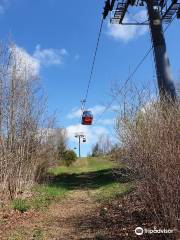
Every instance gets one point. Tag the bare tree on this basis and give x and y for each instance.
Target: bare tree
(103, 146)
(22, 114)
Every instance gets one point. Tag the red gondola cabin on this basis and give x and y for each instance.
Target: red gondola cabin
(87, 118)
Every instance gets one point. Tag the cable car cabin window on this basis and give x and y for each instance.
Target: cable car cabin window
(87, 118)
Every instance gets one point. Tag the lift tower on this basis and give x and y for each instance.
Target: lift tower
(80, 136)
(159, 12)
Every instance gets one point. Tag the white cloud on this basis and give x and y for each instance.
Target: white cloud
(107, 121)
(77, 112)
(126, 33)
(96, 110)
(24, 62)
(49, 56)
(31, 63)
(91, 132)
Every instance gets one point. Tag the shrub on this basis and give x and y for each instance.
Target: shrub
(150, 142)
(69, 157)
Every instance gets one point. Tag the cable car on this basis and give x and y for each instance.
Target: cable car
(87, 118)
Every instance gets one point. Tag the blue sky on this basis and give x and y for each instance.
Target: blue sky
(60, 37)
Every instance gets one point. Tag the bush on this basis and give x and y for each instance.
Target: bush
(150, 142)
(69, 157)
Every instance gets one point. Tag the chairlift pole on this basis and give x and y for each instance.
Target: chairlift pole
(159, 12)
(79, 136)
(79, 146)
(163, 71)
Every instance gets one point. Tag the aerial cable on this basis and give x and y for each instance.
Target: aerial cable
(130, 77)
(108, 7)
(127, 80)
(93, 65)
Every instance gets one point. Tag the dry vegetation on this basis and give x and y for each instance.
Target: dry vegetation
(24, 149)
(149, 135)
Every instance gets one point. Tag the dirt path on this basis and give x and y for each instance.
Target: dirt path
(69, 218)
(72, 218)
(79, 217)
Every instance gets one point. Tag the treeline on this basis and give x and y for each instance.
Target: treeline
(103, 146)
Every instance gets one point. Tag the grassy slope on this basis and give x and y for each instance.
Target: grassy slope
(85, 165)
(91, 174)
(95, 176)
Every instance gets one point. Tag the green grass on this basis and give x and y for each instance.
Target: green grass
(84, 165)
(20, 205)
(43, 195)
(96, 175)
(113, 190)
